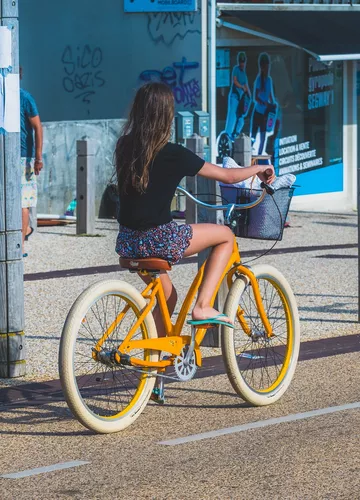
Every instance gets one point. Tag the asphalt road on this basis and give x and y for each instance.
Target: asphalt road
(275, 452)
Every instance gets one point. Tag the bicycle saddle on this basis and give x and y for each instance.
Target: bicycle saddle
(149, 264)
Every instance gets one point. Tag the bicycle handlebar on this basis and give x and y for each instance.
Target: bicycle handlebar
(235, 206)
(230, 207)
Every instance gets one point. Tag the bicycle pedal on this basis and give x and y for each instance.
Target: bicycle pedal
(206, 326)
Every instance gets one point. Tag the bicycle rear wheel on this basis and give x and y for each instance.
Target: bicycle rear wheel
(103, 396)
(260, 368)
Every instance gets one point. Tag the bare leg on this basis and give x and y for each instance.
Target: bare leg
(25, 224)
(170, 296)
(221, 239)
(262, 142)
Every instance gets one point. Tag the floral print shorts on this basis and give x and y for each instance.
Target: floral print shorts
(28, 183)
(167, 241)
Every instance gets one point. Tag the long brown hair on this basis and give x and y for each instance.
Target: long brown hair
(146, 132)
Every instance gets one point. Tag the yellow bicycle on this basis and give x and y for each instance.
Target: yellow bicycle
(110, 353)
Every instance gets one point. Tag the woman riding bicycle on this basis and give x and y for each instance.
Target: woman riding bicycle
(149, 169)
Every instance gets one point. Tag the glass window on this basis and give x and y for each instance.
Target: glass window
(292, 108)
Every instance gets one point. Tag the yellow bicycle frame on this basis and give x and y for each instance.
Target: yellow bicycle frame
(174, 341)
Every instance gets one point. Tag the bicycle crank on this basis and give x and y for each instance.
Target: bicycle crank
(184, 365)
(184, 369)
(108, 358)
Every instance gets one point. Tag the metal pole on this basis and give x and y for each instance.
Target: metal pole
(212, 76)
(196, 145)
(194, 214)
(12, 352)
(358, 241)
(204, 55)
(350, 147)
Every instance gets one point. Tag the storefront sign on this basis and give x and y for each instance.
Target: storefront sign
(160, 5)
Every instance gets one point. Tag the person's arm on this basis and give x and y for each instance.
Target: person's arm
(235, 78)
(237, 83)
(188, 163)
(257, 92)
(247, 88)
(234, 175)
(37, 127)
(257, 98)
(271, 96)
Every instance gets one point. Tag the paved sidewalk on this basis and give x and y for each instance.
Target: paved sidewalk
(318, 256)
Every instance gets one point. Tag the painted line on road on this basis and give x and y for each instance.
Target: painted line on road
(42, 470)
(261, 423)
(37, 393)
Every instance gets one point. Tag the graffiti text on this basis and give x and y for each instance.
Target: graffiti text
(186, 92)
(82, 71)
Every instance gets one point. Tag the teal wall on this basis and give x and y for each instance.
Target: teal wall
(82, 59)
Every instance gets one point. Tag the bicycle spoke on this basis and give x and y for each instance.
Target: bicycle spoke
(107, 390)
(266, 356)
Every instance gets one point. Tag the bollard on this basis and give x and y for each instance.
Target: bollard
(243, 150)
(85, 187)
(195, 214)
(196, 144)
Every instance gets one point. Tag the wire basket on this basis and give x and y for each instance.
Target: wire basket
(267, 219)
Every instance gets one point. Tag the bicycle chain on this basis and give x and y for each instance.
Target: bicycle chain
(150, 374)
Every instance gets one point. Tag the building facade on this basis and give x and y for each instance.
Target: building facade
(296, 67)
(299, 62)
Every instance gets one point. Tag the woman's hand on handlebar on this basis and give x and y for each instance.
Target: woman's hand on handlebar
(266, 173)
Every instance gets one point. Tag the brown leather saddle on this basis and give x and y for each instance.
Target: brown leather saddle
(150, 264)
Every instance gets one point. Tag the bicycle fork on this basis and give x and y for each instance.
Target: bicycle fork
(245, 271)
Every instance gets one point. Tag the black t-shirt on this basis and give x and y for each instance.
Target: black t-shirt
(152, 208)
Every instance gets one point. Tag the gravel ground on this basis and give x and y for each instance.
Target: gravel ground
(319, 259)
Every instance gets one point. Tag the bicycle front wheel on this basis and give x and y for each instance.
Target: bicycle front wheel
(104, 396)
(260, 368)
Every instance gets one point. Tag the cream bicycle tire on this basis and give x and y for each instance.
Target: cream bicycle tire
(233, 356)
(103, 290)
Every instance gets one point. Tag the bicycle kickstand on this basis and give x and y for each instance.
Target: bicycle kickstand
(162, 384)
(161, 389)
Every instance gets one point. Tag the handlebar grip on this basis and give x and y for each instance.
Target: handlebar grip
(269, 189)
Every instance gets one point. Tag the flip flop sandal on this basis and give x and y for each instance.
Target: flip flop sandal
(210, 321)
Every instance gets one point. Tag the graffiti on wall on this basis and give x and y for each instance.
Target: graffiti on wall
(83, 73)
(166, 27)
(186, 92)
